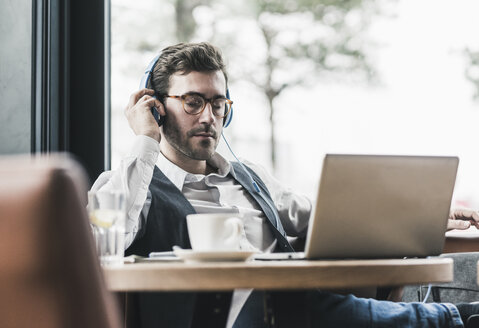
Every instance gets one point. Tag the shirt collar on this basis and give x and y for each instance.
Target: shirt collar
(178, 176)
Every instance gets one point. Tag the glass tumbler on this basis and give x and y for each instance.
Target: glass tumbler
(106, 210)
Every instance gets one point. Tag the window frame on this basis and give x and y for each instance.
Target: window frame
(71, 81)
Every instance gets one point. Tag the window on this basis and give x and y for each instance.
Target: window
(15, 81)
(419, 101)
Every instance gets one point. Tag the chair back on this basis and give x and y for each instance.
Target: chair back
(49, 272)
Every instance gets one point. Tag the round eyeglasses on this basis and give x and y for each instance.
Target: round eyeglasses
(195, 104)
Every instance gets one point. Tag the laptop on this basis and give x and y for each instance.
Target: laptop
(379, 206)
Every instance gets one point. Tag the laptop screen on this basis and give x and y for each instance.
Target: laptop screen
(377, 206)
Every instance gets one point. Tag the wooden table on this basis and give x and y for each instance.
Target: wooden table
(178, 276)
(282, 279)
(458, 241)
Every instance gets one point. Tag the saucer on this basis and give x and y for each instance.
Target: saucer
(212, 256)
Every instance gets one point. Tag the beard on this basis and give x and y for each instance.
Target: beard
(185, 143)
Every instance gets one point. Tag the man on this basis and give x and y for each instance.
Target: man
(174, 170)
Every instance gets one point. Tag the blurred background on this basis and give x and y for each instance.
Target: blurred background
(314, 77)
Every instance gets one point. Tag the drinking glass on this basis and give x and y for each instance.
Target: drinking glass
(107, 217)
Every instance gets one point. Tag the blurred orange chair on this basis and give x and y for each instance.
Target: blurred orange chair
(49, 273)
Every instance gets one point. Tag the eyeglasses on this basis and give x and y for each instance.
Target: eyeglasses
(195, 104)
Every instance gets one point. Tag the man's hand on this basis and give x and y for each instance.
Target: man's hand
(462, 219)
(138, 113)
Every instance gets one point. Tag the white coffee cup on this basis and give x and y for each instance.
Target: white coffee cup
(215, 232)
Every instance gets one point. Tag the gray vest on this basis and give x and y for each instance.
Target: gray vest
(166, 222)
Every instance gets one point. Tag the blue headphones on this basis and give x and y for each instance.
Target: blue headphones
(160, 119)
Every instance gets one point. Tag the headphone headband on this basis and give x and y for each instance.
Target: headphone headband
(148, 71)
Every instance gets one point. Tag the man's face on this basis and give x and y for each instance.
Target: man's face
(194, 136)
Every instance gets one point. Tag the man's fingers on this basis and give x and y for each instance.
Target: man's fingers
(458, 224)
(135, 96)
(139, 116)
(144, 98)
(460, 215)
(465, 214)
(145, 101)
(151, 102)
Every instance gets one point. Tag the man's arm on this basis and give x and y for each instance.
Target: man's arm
(136, 170)
(133, 177)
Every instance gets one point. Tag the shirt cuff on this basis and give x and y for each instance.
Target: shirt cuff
(146, 149)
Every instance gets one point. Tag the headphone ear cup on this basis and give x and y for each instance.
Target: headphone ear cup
(228, 118)
(146, 83)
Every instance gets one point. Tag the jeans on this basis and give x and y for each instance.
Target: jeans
(329, 310)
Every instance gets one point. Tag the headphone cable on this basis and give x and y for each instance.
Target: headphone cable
(255, 186)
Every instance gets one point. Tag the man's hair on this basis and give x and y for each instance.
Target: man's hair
(185, 58)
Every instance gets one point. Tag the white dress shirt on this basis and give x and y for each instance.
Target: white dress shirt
(214, 193)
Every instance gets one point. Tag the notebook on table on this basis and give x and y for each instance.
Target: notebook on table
(379, 206)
